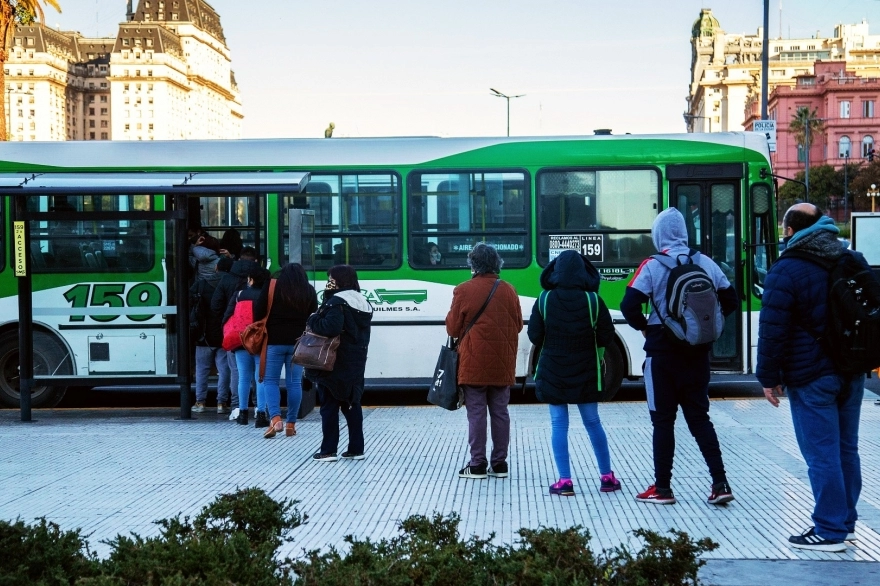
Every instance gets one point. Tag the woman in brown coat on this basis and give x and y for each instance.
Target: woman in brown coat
(487, 357)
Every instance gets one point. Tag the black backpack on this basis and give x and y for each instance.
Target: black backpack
(196, 315)
(693, 313)
(852, 326)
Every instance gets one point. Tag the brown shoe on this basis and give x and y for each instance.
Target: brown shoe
(275, 427)
(290, 429)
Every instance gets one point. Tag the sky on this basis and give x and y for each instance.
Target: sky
(424, 68)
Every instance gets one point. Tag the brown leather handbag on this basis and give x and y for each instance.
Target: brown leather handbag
(255, 338)
(314, 351)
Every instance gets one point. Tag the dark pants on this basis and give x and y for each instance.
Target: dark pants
(670, 382)
(354, 417)
(477, 400)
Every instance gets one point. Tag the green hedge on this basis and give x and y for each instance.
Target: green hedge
(235, 541)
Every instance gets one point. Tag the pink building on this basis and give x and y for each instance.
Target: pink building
(844, 102)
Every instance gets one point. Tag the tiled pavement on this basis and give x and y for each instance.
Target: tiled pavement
(111, 472)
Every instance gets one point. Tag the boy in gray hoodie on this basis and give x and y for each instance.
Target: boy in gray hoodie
(676, 373)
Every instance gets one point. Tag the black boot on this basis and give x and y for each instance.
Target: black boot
(262, 419)
(242, 418)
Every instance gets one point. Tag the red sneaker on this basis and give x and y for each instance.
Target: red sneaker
(658, 496)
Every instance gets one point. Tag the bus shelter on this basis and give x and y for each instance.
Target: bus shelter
(102, 275)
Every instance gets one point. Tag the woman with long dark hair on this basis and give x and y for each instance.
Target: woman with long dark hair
(294, 301)
(346, 313)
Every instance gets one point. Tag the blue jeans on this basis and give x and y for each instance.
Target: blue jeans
(233, 378)
(249, 370)
(825, 414)
(559, 437)
(278, 355)
(206, 357)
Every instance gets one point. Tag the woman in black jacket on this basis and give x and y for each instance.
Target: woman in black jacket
(571, 326)
(344, 312)
(293, 302)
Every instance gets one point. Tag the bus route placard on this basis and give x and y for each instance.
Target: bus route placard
(20, 249)
(589, 245)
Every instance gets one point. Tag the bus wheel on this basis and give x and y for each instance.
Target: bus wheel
(612, 371)
(49, 357)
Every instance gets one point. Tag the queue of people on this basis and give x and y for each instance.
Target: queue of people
(570, 327)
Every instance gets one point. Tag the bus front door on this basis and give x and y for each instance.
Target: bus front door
(712, 211)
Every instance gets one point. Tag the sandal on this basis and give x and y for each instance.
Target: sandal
(290, 429)
(275, 427)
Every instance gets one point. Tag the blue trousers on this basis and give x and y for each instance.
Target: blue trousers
(278, 356)
(826, 414)
(559, 437)
(206, 357)
(249, 370)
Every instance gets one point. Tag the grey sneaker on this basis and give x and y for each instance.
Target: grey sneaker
(222, 408)
(198, 408)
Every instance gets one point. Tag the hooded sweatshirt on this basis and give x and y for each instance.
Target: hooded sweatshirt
(568, 364)
(648, 284)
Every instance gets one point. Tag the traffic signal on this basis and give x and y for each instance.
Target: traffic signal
(871, 155)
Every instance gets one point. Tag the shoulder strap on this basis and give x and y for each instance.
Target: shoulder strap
(271, 296)
(593, 304)
(542, 303)
(479, 313)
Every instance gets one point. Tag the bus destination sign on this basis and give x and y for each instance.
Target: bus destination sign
(20, 249)
(589, 245)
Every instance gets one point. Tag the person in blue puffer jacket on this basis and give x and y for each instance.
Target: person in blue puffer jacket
(825, 404)
(569, 364)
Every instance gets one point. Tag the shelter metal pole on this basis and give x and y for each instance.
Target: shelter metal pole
(25, 319)
(184, 378)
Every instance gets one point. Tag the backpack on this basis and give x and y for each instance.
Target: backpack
(693, 313)
(196, 316)
(852, 326)
(242, 317)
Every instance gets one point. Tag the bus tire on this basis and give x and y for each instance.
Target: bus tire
(49, 356)
(612, 371)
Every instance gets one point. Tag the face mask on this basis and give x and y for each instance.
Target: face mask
(330, 286)
(435, 256)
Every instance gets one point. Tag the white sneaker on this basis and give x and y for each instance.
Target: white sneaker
(234, 415)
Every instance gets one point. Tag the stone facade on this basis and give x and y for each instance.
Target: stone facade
(724, 93)
(165, 76)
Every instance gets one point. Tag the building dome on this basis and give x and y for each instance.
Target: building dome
(706, 25)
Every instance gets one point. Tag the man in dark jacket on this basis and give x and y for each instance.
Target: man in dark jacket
(676, 373)
(825, 404)
(233, 281)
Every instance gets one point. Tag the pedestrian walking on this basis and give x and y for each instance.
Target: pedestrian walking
(570, 327)
(676, 373)
(346, 313)
(487, 357)
(295, 300)
(825, 402)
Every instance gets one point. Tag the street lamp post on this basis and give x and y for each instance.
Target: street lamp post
(689, 120)
(873, 193)
(508, 98)
(845, 182)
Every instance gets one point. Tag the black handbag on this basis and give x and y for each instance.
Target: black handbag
(444, 391)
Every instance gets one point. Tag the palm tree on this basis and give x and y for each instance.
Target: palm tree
(805, 126)
(12, 12)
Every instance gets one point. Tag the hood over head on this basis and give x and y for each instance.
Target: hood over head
(355, 300)
(669, 231)
(571, 270)
(241, 268)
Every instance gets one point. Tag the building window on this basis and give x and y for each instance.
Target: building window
(125, 42)
(103, 111)
(91, 111)
(91, 136)
(150, 126)
(91, 123)
(103, 136)
(103, 99)
(867, 145)
(844, 108)
(844, 146)
(103, 124)
(149, 73)
(868, 109)
(127, 127)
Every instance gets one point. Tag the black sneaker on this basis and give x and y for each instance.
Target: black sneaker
(262, 419)
(498, 470)
(242, 418)
(319, 457)
(721, 494)
(810, 540)
(353, 456)
(473, 472)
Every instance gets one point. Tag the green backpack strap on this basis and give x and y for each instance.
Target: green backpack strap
(593, 303)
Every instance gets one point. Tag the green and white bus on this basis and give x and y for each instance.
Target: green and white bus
(382, 205)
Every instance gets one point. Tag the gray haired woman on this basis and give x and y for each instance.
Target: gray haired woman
(487, 357)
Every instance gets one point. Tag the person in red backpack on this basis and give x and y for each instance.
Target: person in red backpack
(249, 366)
